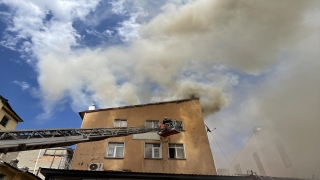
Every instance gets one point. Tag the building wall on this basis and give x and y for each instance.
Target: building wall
(47, 159)
(12, 124)
(277, 159)
(199, 159)
(13, 174)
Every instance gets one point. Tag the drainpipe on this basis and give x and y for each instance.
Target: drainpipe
(34, 169)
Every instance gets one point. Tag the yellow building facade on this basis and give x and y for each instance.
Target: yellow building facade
(8, 117)
(9, 172)
(187, 152)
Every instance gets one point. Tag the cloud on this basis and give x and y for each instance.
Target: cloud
(106, 33)
(129, 29)
(247, 56)
(33, 34)
(176, 51)
(24, 85)
(118, 7)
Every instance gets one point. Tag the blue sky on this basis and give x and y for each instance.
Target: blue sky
(58, 57)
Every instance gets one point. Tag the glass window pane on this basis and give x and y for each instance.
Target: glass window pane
(172, 145)
(156, 152)
(148, 151)
(148, 124)
(156, 145)
(119, 152)
(116, 123)
(112, 144)
(110, 152)
(152, 123)
(120, 144)
(123, 123)
(179, 145)
(180, 153)
(148, 145)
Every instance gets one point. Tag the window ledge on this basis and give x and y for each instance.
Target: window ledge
(153, 158)
(177, 158)
(113, 157)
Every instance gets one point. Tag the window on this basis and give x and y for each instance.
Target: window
(259, 164)
(120, 123)
(283, 153)
(152, 123)
(176, 151)
(4, 121)
(152, 150)
(115, 150)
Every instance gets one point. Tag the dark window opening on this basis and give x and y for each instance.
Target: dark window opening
(172, 152)
(4, 121)
(176, 151)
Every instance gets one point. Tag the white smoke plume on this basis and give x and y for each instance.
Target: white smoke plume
(183, 48)
(173, 55)
(287, 101)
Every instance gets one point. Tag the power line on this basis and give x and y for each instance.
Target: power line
(220, 148)
(208, 130)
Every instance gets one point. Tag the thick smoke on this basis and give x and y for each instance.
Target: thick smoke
(286, 102)
(175, 55)
(195, 48)
(292, 108)
(171, 56)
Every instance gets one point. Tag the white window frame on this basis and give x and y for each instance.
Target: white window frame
(115, 150)
(153, 122)
(184, 152)
(117, 120)
(160, 150)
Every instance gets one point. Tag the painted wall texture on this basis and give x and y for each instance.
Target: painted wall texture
(9, 173)
(12, 123)
(198, 157)
(43, 158)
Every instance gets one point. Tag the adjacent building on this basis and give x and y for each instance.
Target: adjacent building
(185, 153)
(269, 153)
(11, 172)
(9, 119)
(33, 160)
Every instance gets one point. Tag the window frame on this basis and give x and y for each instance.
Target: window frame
(183, 147)
(7, 119)
(149, 120)
(114, 122)
(160, 152)
(114, 153)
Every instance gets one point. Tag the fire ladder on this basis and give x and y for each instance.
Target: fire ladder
(23, 140)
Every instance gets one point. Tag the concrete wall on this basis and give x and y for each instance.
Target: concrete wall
(199, 159)
(12, 124)
(30, 159)
(13, 174)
